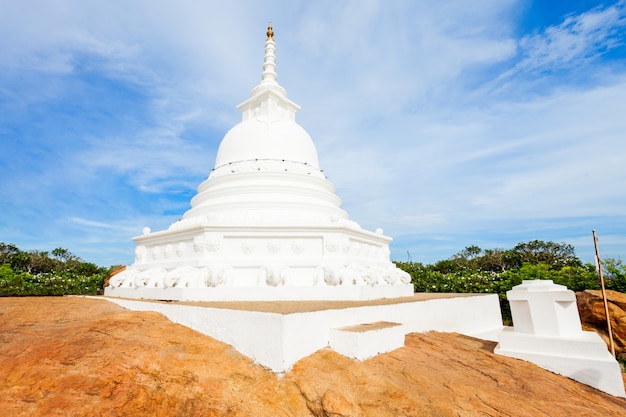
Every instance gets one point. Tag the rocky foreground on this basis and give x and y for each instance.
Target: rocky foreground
(73, 356)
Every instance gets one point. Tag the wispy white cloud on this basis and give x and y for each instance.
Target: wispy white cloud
(91, 223)
(570, 46)
(578, 39)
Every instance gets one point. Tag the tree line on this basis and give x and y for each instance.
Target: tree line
(57, 272)
(477, 270)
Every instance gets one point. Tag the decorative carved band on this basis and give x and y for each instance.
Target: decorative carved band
(267, 165)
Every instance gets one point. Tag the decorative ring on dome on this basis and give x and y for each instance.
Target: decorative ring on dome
(267, 165)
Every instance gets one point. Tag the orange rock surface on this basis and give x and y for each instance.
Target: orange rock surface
(593, 316)
(72, 356)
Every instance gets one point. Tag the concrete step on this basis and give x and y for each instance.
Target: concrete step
(366, 340)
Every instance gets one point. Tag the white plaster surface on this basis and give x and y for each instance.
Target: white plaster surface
(548, 333)
(584, 358)
(541, 307)
(265, 293)
(355, 342)
(278, 341)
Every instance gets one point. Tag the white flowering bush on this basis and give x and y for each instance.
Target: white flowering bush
(19, 283)
(58, 272)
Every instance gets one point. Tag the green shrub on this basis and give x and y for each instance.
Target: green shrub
(37, 273)
(614, 274)
(454, 276)
(65, 283)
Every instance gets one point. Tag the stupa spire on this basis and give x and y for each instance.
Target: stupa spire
(270, 32)
(269, 62)
(269, 77)
(268, 100)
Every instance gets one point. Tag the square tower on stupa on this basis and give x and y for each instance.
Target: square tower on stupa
(265, 225)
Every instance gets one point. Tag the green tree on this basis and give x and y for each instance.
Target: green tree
(497, 260)
(555, 255)
(447, 266)
(41, 263)
(22, 261)
(64, 255)
(468, 253)
(6, 272)
(578, 278)
(614, 273)
(7, 251)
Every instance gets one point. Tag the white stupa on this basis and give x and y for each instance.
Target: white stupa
(265, 225)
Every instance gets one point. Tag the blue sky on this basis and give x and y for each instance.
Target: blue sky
(446, 123)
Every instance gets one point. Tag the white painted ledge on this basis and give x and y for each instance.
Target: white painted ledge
(277, 341)
(367, 340)
(265, 293)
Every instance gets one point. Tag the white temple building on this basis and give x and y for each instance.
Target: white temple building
(265, 225)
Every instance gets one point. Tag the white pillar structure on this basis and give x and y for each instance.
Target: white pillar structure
(547, 332)
(265, 225)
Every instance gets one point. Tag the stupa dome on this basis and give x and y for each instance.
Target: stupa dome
(259, 138)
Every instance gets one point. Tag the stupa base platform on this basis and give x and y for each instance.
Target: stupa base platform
(292, 293)
(276, 334)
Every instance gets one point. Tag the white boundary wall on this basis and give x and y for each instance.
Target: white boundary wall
(277, 341)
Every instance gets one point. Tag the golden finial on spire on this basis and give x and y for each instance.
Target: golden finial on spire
(270, 32)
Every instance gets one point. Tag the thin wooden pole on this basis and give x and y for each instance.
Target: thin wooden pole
(606, 305)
